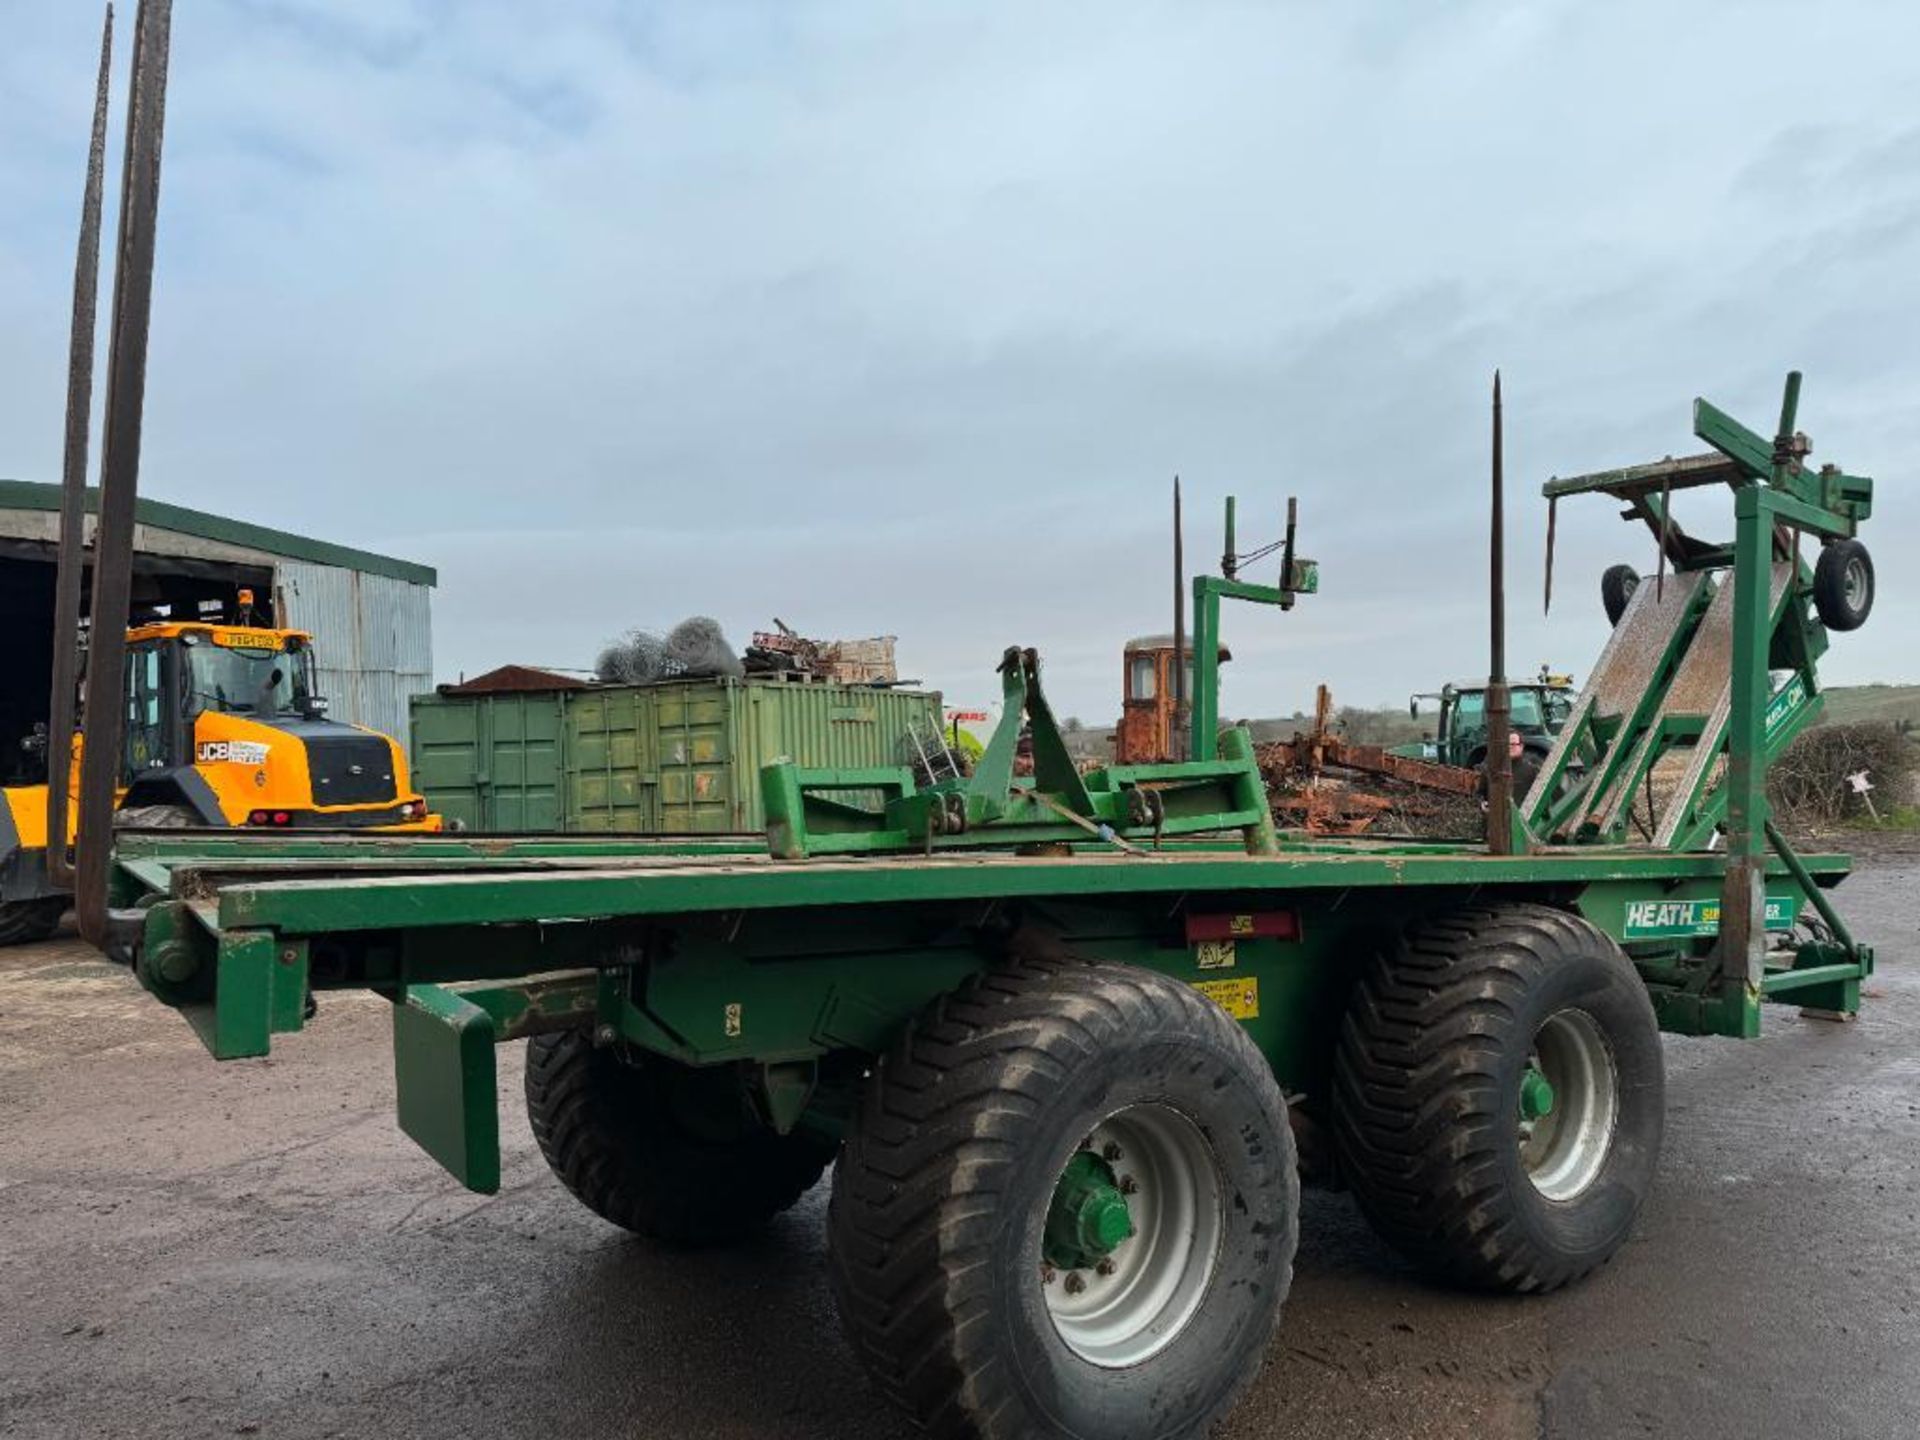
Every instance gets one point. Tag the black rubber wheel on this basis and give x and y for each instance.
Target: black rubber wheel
(27, 922)
(1030, 1086)
(1843, 585)
(1438, 1112)
(1617, 584)
(665, 1151)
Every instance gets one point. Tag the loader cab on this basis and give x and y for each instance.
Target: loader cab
(178, 673)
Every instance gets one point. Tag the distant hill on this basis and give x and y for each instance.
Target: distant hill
(1846, 705)
(1849, 704)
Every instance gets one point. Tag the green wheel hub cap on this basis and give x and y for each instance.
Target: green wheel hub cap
(1088, 1217)
(1536, 1095)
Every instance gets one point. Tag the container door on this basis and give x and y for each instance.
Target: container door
(611, 780)
(445, 745)
(525, 743)
(697, 748)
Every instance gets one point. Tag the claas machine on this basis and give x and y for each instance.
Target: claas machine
(1068, 1042)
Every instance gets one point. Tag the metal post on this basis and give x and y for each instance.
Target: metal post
(1228, 564)
(1743, 903)
(1286, 553)
(1499, 705)
(1176, 732)
(1206, 670)
(120, 463)
(71, 550)
(1546, 597)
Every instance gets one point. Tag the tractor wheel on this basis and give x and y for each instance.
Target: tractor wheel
(27, 922)
(664, 1150)
(1499, 1095)
(1067, 1207)
(1617, 584)
(1843, 585)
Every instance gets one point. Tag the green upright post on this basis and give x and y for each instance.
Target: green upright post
(1743, 929)
(1743, 904)
(1206, 670)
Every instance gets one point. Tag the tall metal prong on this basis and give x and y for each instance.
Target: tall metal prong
(1499, 717)
(71, 550)
(101, 757)
(1553, 511)
(1177, 728)
(1286, 553)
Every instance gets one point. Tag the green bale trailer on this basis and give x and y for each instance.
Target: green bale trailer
(1069, 1043)
(1068, 1040)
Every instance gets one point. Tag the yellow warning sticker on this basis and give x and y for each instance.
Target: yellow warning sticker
(1240, 998)
(1214, 954)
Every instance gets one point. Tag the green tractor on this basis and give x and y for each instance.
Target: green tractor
(1540, 709)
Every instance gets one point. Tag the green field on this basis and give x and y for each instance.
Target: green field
(1846, 705)
(1850, 704)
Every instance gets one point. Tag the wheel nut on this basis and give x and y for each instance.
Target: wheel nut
(1046, 1274)
(1128, 1185)
(1075, 1282)
(1105, 1267)
(1110, 1152)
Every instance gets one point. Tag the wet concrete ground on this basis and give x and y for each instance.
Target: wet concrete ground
(198, 1250)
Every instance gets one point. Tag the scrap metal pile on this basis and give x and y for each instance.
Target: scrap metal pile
(1324, 784)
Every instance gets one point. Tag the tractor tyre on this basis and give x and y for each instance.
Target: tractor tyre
(665, 1150)
(27, 922)
(1843, 585)
(1067, 1207)
(1499, 1095)
(1617, 584)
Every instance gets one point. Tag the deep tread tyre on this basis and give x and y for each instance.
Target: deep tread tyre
(1437, 1043)
(27, 922)
(1843, 585)
(943, 1186)
(1617, 584)
(610, 1129)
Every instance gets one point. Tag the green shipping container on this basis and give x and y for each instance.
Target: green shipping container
(677, 758)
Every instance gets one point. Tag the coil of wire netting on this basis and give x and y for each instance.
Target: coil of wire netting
(697, 647)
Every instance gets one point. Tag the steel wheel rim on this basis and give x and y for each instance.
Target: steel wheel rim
(1564, 1150)
(1150, 1288)
(1855, 583)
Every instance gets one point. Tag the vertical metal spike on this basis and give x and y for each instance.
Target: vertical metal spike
(71, 552)
(1499, 706)
(1177, 729)
(1286, 553)
(1553, 512)
(1666, 538)
(120, 462)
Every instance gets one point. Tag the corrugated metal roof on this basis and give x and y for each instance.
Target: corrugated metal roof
(36, 495)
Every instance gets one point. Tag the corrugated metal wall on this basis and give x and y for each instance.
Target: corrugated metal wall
(373, 635)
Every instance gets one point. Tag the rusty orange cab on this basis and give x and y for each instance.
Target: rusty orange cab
(1147, 720)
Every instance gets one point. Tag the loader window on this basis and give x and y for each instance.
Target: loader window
(246, 682)
(146, 711)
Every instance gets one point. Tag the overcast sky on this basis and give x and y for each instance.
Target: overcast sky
(900, 318)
